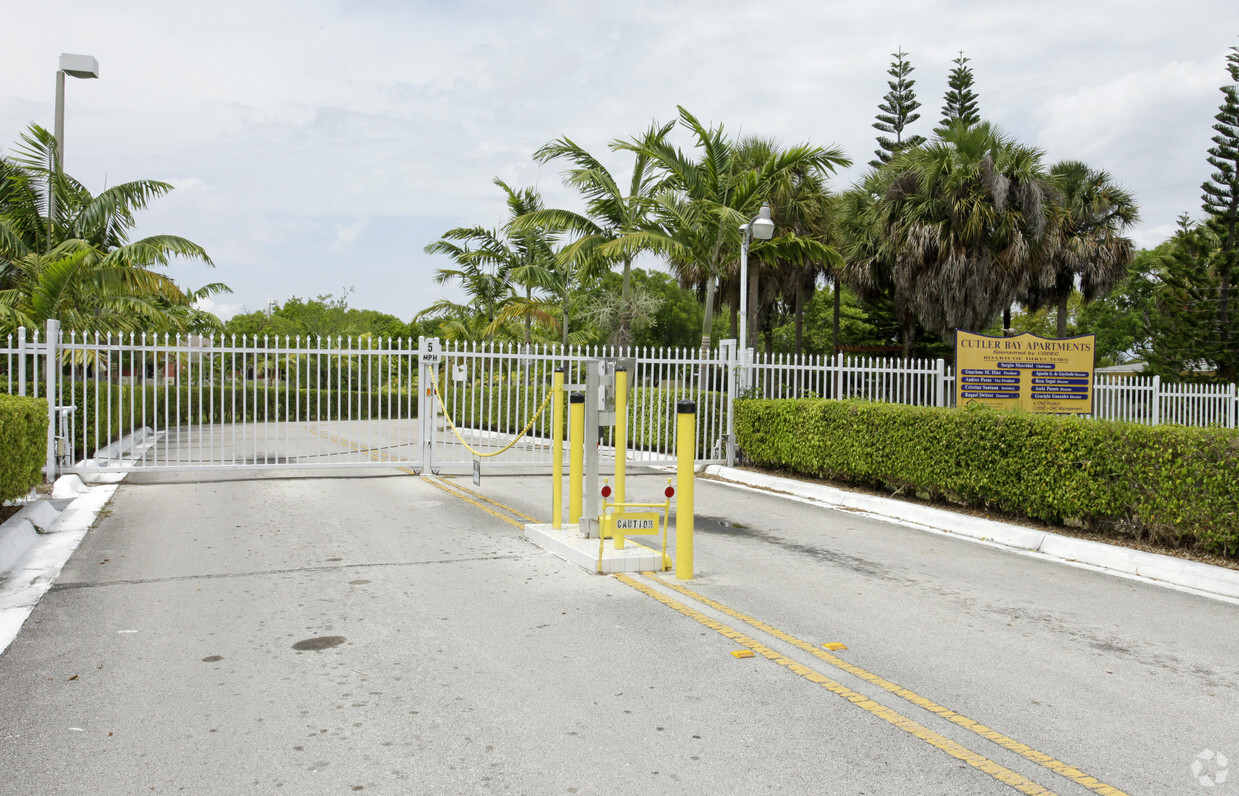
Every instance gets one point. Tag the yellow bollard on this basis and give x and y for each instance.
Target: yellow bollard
(686, 457)
(557, 449)
(621, 433)
(576, 455)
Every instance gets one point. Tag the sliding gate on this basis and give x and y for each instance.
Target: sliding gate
(194, 403)
(492, 404)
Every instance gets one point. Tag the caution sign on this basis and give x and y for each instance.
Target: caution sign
(634, 522)
(1036, 374)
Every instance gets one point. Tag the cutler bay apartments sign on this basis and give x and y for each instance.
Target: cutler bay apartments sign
(1027, 372)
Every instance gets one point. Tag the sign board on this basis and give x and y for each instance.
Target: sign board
(636, 521)
(477, 472)
(432, 351)
(1036, 374)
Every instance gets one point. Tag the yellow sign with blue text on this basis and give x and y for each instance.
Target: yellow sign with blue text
(1036, 374)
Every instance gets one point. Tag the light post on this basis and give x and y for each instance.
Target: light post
(80, 66)
(762, 228)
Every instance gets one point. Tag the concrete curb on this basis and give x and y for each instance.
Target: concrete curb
(1191, 576)
(41, 553)
(36, 542)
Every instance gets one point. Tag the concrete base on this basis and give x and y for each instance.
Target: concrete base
(569, 544)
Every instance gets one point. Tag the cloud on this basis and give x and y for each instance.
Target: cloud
(324, 143)
(347, 235)
(222, 310)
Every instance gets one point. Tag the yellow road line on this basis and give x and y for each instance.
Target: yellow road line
(461, 492)
(954, 749)
(493, 502)
(1040, 758)
(451, 490)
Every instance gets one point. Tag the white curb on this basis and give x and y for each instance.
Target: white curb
(1192, 576)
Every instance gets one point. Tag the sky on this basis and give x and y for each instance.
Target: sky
(318, 147)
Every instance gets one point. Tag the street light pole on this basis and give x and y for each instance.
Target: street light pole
(762, 228)
(79, 66)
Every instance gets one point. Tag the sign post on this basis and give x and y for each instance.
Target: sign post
(1035, 374)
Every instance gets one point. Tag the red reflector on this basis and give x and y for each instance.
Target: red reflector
(669, 491)
(606, 491)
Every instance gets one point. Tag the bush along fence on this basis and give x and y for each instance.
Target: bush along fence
(23, 443)
(1170, 484)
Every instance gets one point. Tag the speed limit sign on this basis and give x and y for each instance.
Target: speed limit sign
(432, 351)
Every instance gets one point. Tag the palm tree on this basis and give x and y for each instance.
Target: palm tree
(79, 266)
(483, 277)
(960, 226)
(1087, 241)
(491, 262)
(610, 214)
(706, 200)
(801, 250)
(870, 262)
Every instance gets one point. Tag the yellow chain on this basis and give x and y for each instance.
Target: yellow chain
(477, 453)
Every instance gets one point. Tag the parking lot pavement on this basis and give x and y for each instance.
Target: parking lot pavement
(396, 634)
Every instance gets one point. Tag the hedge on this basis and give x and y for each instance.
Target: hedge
(23, 444)
(1172, 484)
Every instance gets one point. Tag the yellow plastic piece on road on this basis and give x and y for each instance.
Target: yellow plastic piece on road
(834, 646)
(742, 653)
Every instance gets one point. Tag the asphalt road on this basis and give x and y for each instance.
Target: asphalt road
(395, 635)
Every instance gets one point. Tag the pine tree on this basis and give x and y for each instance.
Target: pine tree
(960, 103)
(1221, 205)
(897, 111)
(1182, 317)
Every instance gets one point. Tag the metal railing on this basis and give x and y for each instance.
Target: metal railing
(200, 403)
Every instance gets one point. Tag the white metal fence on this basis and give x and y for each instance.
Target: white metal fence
(929, 382)
(196, 403)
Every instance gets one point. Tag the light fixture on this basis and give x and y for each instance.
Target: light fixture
(761, 227)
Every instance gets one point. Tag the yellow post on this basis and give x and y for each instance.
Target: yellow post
(621, 433)
(557, 449)
(576, 455)
(686, 457)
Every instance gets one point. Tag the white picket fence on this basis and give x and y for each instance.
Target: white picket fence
(301, 403)
(930, 382)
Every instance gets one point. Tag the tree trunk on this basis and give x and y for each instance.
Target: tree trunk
(835, 325)
(909, 335)
(707, 317)
(528, 317)
(799, 304)
(1062, 317)
(622, 335)
(1006, 321)
(734, 303)
(1226, 362)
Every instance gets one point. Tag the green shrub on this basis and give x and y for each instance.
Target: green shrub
(1172, 484)
(23, 444)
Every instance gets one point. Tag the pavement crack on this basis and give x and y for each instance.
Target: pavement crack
(265, 572)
